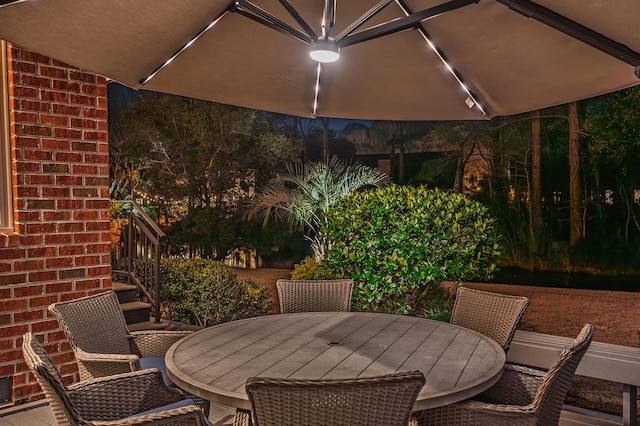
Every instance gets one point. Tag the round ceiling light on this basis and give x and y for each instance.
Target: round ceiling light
(325, 50)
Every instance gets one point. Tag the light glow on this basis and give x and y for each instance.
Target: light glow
(325, 51)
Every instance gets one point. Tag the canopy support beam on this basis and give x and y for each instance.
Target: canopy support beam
(575, 30)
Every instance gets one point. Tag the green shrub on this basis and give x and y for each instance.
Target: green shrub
(398, 242)
(311, 269)
(207, 292)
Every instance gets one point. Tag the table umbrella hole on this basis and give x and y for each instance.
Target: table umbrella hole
(334, 343)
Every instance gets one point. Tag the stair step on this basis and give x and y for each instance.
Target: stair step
(126, 293)
(135, 312)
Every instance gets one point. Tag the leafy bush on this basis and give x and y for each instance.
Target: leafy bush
(311, 269)
(398, 242)
(207, 292)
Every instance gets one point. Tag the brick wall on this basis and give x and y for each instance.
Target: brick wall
(61, 246)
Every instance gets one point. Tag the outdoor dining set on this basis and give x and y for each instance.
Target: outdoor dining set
(315, 363)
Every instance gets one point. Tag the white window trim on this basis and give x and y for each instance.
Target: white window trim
(6, 193)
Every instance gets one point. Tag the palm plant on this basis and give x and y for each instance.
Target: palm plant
(302, 196)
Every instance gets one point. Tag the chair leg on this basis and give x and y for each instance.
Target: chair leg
(242, 418)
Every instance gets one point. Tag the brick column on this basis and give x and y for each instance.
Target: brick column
(60, 249)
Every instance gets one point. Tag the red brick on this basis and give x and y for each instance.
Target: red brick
(26, 117)
(97, 158)
(59, 262)
(69, 204)
(41, 228)
(24, 92)
(73, 273)
(24, 167)
(72, 296)
(81, 99)
(17, 253)
(56, 216)
(97, 204)
(71, 227)
(97, 271)
(39, 180)
(30, 240)
(30, 56)
(82, 76)
(94, 112)
(8, 356)
(46, 251)
(57, 239)
(38, 204)
(56, 168)
(26, 67)
(27, 191)
(56, 144)
(45, 325)
(28, 265)
(37, 130)
(38, 155)
(85, 192)
(71, 250)
(69, 157)
(85, 215)
(84, 123)
(42, 276)
(61, 287)
(84, 146)
(55, 192)
(36, 302)
(33, 81)
(96, 136)
(67, 86)
(55, 336)
(65, 109)
(31, 105)
(25, 316)
(54, 95)
(86, 260)
(67, 133)
(13, 331)
(54, 72)
(54, 120)
(86, 238)
(95, 90)
(31, 290)
(26, 142)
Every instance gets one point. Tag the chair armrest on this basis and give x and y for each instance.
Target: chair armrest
(92, 365)
(126, 394)
(517, 386)
(475, 412)
(190, 415)
(154, 342)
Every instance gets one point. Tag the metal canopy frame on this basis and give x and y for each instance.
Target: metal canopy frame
(411, 21)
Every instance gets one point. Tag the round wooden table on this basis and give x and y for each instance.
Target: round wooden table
(215, 362)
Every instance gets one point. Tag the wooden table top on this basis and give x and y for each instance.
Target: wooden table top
(214, 363)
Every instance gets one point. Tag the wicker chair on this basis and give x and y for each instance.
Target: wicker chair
(492, 314)
(103, 345)
(314, 295)
(522, 396)
(134, 398)
(382, 400)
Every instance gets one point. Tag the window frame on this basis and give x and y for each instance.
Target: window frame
(6, 192)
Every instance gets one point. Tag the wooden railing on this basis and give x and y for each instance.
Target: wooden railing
(137, 255)
(620, 364)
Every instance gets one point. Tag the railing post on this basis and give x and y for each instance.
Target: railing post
(129, 247)
(156, 280)
(629, 405)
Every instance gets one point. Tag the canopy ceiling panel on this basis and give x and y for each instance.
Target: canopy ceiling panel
(491, 57)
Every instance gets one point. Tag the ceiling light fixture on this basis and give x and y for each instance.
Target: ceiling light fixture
(324, 50)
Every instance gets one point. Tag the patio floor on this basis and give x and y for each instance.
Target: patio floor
(39, 414)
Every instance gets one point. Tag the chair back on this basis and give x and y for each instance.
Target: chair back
(50, 381)
(94, 324)
(372, 401)
(547, 403)
(314, 295)
(491, 314)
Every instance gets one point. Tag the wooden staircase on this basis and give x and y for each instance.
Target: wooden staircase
(137, 314)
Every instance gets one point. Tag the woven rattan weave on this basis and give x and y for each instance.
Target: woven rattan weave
(523, 396)
(382, 400)
(492, 314)
(314, 296)
(108, 400)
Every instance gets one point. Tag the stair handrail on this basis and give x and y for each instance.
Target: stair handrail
(140, 233)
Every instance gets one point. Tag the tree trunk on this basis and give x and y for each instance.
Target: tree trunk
(536, 183)
(575, 194)
(401, 164)
(325, 139)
